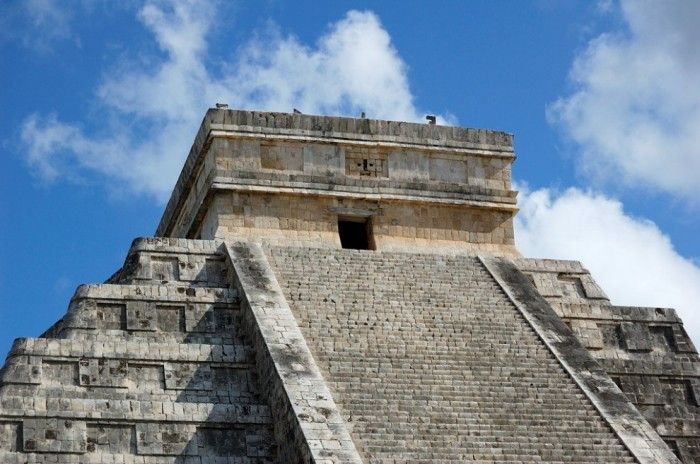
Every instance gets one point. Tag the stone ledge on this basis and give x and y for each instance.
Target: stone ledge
(13, 407)
(132, 350)
(156, 293)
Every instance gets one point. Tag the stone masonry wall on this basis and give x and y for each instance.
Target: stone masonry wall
(451, 193)
(645, 351)
(397, 226)
(153, 368)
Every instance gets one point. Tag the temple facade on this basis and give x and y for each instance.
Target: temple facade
(340, 290)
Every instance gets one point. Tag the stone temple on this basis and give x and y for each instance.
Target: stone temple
(339, 290)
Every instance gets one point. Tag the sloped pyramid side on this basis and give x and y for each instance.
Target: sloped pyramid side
(153, 367)
(431, 361)
(646, 351)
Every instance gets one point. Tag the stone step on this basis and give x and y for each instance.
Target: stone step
(431, 362)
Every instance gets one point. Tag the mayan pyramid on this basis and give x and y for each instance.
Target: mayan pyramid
(339, 290)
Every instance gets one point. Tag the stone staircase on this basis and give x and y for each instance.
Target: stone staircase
(646, 351)
(430, 362)
(150, 368)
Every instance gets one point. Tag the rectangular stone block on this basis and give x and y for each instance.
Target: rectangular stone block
(281, 157)
(22, 370)
(199, 317)
(448, 170)
(111, 439)
(52, 435)
(103, 372)
(164, 269)
(547, 284)
(191, 268)
(230, 442)
(141, 315)
(59, 373)
(10, 436)
(591, 288)
(146, 378)
(110, 316)
(636, 336)
(170, 318)
(588, 334)
(187, 376)
(166, 439)
(216, 272)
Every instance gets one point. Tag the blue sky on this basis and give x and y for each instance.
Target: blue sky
(100, 101)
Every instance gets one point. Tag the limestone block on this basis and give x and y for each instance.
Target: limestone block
(222, 442)
(166, 439)
(547, 284)
(187, 376)
(109, 316)
(103, 372)
(81, 314)
(22, 370)
(448, 170)
(54, 435)
(199, 317)
(170, 317)
(141, 315)
(409, 166)
(588, 334)
(148, 378)
(259, 444)
(216, 273)
(636, 336)
(60, 373)
(10, 436)
(281, 156)
(591, 288)
(163, 268)
(111, 439)
(191, 268)
(324, 160)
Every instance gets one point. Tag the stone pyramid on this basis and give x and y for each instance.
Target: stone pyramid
(338, 290)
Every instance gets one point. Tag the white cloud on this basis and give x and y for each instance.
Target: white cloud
(152, 114)
(36, 24)
(634, 113)
(629, 257)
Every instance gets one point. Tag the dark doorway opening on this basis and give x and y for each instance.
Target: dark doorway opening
(356, 234)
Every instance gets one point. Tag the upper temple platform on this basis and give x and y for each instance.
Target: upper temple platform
(297, 177)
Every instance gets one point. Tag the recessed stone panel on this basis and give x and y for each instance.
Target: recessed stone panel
(111, 439)
(141, 315)
(10, 436)
(54, 435)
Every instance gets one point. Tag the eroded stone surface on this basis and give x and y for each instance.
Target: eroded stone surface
(211, 352)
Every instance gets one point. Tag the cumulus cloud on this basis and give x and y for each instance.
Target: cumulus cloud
(630, 257)
(153, 113)
(634, 112)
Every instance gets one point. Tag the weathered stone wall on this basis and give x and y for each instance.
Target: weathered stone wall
(441, 187)
(152, 368)
(397, 226)
(645, 351)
